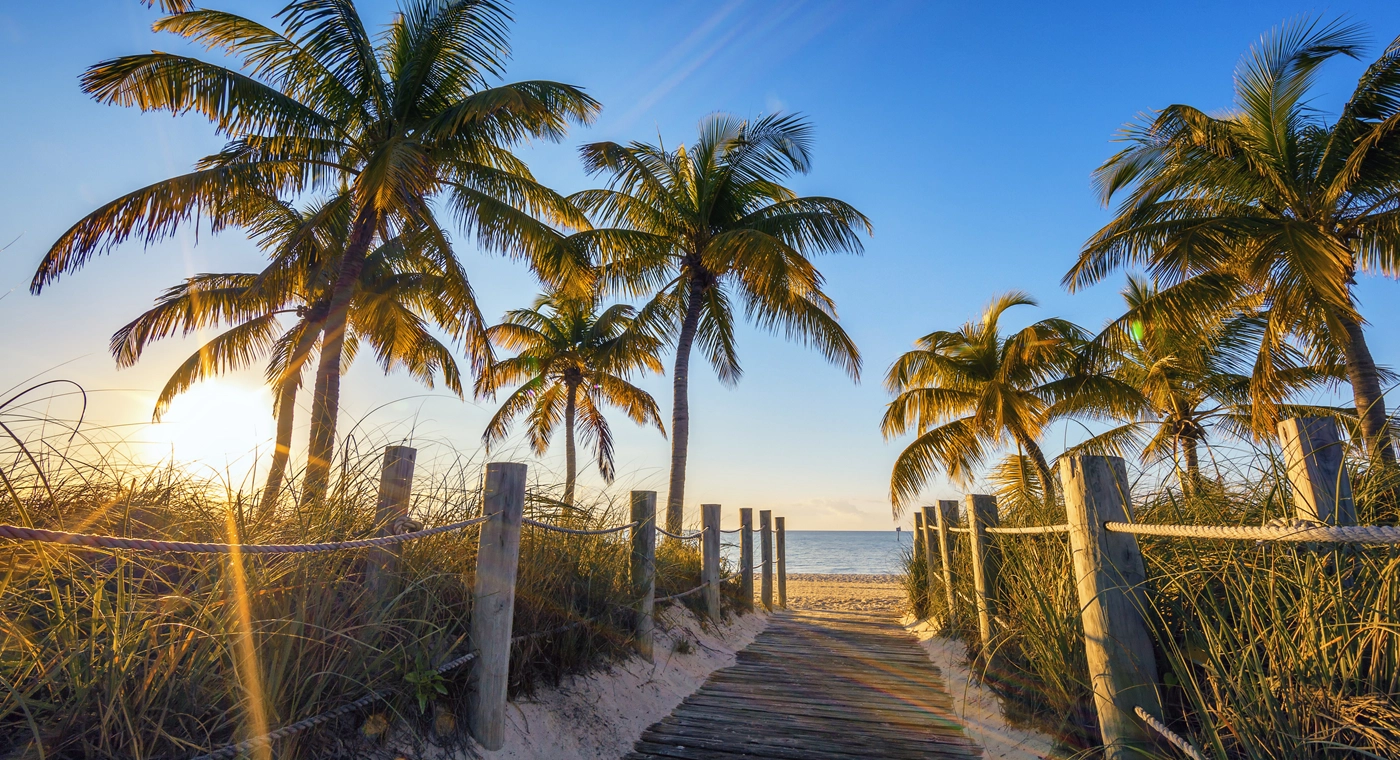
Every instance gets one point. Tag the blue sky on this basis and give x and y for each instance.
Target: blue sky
(966, 132)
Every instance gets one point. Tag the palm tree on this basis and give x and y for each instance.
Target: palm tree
(571, 362)
(697, 227)
(969, 391)
(404, 122)
(1177, 386)
(405, 285)
(1272, 202)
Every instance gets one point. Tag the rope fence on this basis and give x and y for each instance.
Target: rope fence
(1105, 555)
(502, 503)
(1294, 533)
(20, 533)
(1030, 530)
(680, 536)
(579, 531)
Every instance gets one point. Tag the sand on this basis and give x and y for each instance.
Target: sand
(857, 593)
(602, 715)
(974, 705)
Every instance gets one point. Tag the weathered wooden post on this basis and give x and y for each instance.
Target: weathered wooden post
(390, 515)
(780, 534)
(644, 570)
(709, 574)
(746, 557)
(930, 550)
(1314, 453)
(765, 532)
(982, 514)
(918, 548)
(947, 517)
(493, 600)
(1109, 575)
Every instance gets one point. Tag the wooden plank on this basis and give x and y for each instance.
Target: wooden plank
(817, 686)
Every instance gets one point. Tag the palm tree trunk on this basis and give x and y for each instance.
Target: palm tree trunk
(325, 407)
(286, 415)
(286, 411)
(1366, 390)
(1047, 478)
(1190, 451)
(570, 455)
(680, 412)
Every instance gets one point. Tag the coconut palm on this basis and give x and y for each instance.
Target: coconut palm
(970, 391)
(1274, 203)
(1189, 383)
(405, 286)
(571, 363)
(697, 227)
(404, 121)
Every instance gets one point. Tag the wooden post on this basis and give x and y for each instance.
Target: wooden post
(765, 531)
(1314, 454)
(746, 557)
(947, 517)
(780, 534)
(644, 570)
(982, 514)
(709, 575)
(493, 600)
(395, 486)
(918, 547)
(930, 550)
(1109, 575)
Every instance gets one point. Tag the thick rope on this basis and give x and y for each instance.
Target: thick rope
(959, 530)
(1031, 530)
(577, 531)
(673, 597)
(234, 750)
(1297, 531)
(1177, 740)
(679, 537)
(18, 533)
(736, 530)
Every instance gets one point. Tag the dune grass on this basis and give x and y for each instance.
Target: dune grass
(155, 655)
(1264, 651)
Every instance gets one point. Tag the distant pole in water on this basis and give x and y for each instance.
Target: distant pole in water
(897, 529)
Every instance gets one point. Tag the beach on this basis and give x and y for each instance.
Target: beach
(842, 591)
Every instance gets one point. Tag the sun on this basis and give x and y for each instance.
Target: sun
(217, 424)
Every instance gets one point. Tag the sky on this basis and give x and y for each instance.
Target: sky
(967, 132)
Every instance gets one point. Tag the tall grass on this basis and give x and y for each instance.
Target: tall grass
(152, 655)
(1264, 651)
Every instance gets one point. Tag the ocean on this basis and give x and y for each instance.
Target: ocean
(858, 552)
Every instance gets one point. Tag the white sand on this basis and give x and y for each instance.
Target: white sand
(601, 715)
(974, 705)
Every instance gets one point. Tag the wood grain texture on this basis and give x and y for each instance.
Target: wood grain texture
(817, 685)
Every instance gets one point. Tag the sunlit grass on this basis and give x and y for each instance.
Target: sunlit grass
(1264, 651)
(152, 655)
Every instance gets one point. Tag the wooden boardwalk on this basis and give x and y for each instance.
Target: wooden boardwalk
(816, 686)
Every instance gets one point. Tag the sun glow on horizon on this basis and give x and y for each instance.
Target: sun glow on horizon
(217, 424)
